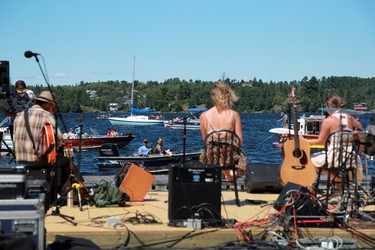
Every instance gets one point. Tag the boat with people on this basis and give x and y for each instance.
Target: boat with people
(103, 116)
(360, 107)
(190, 122)
(110, 159)
(309, 128)
(95, 141)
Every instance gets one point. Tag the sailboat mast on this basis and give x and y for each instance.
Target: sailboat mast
(132, 94)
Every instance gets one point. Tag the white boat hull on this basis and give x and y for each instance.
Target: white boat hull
(135, 120)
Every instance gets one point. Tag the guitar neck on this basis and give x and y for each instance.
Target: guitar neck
(295, 127)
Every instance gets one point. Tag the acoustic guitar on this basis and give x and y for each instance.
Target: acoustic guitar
(296, 166)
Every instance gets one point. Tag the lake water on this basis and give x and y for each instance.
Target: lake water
(258, 142)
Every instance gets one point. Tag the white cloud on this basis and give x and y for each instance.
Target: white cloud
(60, 75)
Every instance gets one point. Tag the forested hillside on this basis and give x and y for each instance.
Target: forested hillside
(175, 95)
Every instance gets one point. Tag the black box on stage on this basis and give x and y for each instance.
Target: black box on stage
(4, 79)
(24, 216)
(263, 178)
(302, 199)
(12, 182)
(284, 195)
(194, 192)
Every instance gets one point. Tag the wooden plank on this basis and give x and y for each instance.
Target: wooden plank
(92, 223)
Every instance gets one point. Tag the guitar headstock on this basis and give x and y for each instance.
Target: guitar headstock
(292, 96)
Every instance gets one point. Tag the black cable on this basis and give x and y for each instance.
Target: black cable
(140, 218)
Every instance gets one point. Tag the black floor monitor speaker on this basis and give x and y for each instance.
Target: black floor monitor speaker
(303, 209)
(194, 193)
(263, 178)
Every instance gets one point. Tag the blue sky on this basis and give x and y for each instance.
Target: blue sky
(92, 40)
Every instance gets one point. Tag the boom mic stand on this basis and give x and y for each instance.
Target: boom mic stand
(184, 142)
(55, 207)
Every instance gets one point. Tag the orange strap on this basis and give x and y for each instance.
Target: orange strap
(49, 138)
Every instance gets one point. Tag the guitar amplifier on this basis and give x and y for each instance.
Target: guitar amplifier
(135, 181)
(24, 216)
(194, 193)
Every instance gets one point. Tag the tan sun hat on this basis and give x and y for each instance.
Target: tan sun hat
(46, 96)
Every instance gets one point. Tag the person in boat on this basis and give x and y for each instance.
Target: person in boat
(109, 132)
(114, 132)
(31, 147)
(332, 123)
(371, 127)
(159, 148)
(221, 117)
(285, 119)
(77, 130)
(17, 102)
(144, 150)
(70, 135)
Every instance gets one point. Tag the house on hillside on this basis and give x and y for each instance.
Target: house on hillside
(113, 106)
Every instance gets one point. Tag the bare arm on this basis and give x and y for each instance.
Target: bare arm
(324, 133)
(203, 122)
(238, 126)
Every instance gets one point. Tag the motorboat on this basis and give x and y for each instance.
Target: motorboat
(110, 159)
(308, 126)
(190, 122)
(360, 107)
(95, 141)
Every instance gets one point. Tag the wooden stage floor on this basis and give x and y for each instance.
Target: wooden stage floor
(92, 223)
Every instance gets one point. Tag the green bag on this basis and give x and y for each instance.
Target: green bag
(107, 194)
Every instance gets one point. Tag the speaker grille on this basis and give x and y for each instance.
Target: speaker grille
(194, 192)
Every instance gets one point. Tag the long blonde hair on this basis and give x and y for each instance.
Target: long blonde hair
(223, 96)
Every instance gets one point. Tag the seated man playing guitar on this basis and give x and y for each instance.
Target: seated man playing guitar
(34, 141)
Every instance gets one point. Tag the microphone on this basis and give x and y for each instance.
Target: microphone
(29, 54)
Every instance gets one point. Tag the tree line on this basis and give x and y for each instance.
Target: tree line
(175, 95)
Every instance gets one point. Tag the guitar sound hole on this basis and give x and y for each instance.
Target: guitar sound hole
(297, 153)
(301, 155)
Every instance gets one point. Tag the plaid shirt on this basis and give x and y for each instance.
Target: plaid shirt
(23, 145)
(16, 104)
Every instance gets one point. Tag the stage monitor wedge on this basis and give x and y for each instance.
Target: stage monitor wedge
(263, 178)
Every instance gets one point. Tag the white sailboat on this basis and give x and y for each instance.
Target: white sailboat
(138, 117)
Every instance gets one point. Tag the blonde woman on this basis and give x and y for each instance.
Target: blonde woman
(221, 117)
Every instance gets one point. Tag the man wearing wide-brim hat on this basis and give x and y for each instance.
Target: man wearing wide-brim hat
(18, 101)
(30, 144)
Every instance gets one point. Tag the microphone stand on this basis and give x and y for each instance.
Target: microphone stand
(55, 207)
(184, 142)
(80, 120)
